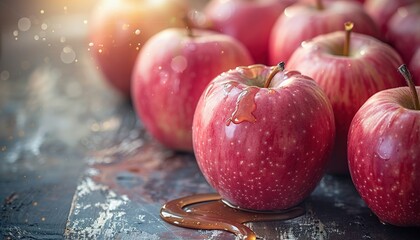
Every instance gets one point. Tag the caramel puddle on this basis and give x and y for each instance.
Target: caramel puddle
(209, 212)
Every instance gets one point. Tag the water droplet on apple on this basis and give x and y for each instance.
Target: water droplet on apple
(44, 26)
(385, 148)
(137, 32)
(91, 44)
(209, 89)
(230, 130)
(42, 11)
(227, 87)
(15, 33)
(62, 39)
(179, 64)
(36, 37)
(304, 44)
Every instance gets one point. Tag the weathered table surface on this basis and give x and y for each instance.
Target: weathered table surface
(75, 161)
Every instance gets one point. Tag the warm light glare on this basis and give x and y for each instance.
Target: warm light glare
(113, 3)
(157, 2)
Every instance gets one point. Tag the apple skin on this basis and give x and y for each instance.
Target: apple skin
(170, 74)
(382, 10)
(347, 81)
(118, 30)
(263, 148)
(404, 30)
(237, 17)
(301, 22)
(384, 155)
(415, 67)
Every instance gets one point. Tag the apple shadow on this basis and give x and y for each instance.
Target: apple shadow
(337, 207)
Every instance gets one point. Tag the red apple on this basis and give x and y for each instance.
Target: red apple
(404, 30)
(382, 10)
(301, 22)
(384, 155)
(248, 21)
(263, 145)
(415, 67)
(348, 80)
(171, 71)
(118, 30)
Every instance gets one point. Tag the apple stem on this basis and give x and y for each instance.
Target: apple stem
(348, 26)
(278, 68)
(409, 79)
(188, 24)
(319, 5)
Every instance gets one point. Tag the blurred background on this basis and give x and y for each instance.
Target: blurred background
(46, 75)
(56, 112)
(36, 26)
(49, 80)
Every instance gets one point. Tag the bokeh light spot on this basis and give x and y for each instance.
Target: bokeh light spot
(24, 24)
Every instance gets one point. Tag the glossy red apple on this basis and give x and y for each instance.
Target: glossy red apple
(263, 144)
(384, 155)
(347, 79)
(415, 67)
(118, 30)
(404, 30)
(382, 10)
(248, 21)
(301, 22)
(171, 71)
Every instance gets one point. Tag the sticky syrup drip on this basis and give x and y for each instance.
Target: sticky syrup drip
(245, 105)
(209, 212)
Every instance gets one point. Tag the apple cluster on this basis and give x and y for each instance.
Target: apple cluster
(211, 79)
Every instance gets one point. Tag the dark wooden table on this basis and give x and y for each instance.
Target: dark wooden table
(75, 161)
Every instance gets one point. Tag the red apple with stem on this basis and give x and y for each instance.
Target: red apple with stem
(301, 22)
(404, 30)
(384, 154)
(415, 67)
(171, 71)
(382, 10)
(350, 69)
(118, 30)
(262, 136)
(248, 21)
